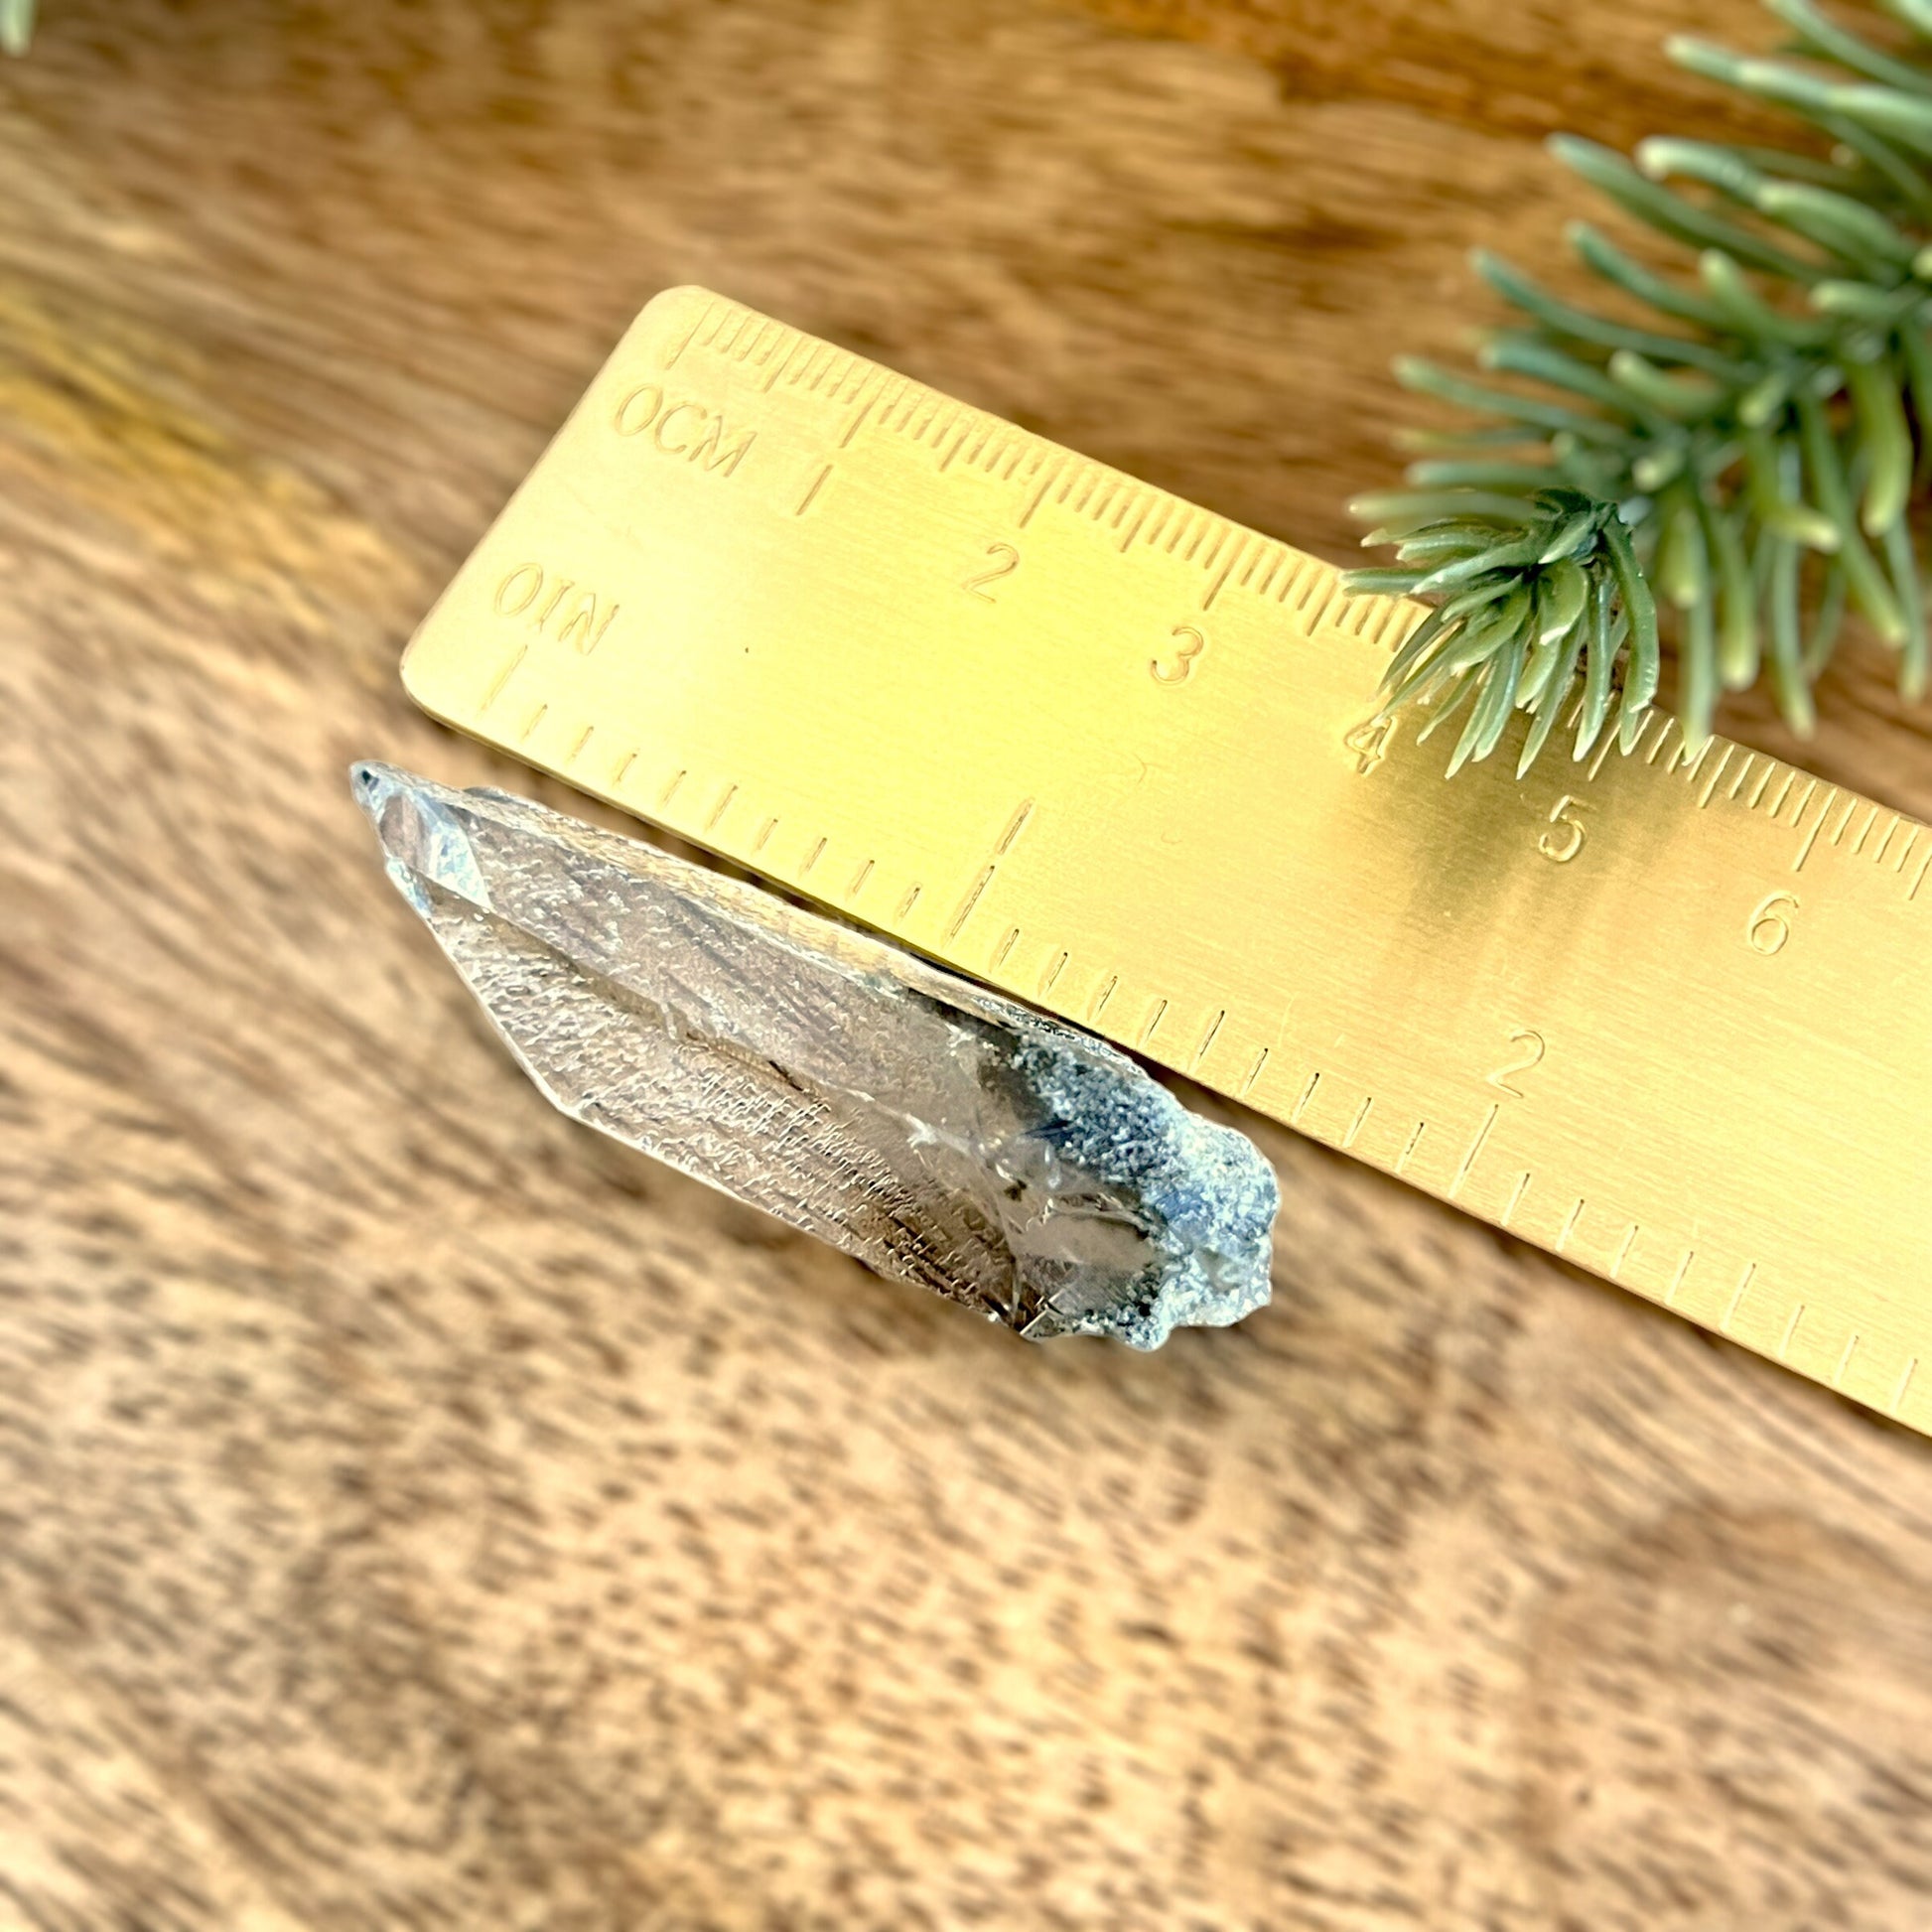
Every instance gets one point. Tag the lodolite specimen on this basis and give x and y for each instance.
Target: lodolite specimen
(939, 1132)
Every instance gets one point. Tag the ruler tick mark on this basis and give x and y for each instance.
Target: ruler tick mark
(1919, 878)
(817, 484)
(576, 750)
(1214, 590)
(1736, 1296)
(1851, 812)
(1415, 1139)
(906, 904)
(685, 341)
(1569, 1225)
(1006, 946)
(669, 792)
(1307, 1094)
(1515, 1198)
(1254, 1073)
(1475, 1148)
(1811, 837)
(1101, 997)
(1790, 1329)
(971, 899)
(778, 364)
(617, 777)
(1015, 826)
(1355, 1125)
(721, 807)
(859, 879)
(1623, 1250)
(1677, 1280)
(1703, 798)
(764, 838)
(1153, 1020)
(1845, 1360)
(1764, 785)
(865, 410)
(1663, 739)
(1864, 832)
(1904, 1383)
(537, 718)
(504, 677)
(1905, 850)
(1602, 752)
(1050, 471)
(1784, 793)
(1053, 972)
(1207, 1039)
(813, 855)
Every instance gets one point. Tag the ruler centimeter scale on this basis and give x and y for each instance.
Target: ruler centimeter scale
(1663, 1012)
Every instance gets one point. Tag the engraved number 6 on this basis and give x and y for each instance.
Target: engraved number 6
(1183, 669)
(1769, 925)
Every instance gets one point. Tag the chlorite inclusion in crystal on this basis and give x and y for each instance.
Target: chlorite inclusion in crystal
(939, 1132)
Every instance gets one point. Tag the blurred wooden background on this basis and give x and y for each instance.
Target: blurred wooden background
(414, 1512)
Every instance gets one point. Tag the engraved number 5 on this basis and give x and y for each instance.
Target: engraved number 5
(1183, 669)
(1561, 849)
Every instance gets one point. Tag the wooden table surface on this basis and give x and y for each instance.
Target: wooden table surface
(415, 1511)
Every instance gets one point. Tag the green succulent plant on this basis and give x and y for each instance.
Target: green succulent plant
(1739, 442)
(16, 25)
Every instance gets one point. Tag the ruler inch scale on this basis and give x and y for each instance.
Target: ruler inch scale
(1659, 1011)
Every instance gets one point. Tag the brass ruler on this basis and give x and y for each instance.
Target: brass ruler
(1665, 1015)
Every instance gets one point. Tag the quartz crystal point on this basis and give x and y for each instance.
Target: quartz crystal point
(937, 1131)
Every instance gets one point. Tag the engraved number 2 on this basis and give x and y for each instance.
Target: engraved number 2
(1191, 645)
(1006, 562)
(1530, 1053)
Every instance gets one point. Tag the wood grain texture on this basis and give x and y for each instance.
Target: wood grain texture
(415, 1512)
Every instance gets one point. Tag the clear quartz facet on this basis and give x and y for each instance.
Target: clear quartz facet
(937, 1131)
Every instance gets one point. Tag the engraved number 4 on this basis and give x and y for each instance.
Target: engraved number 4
(1369, 743)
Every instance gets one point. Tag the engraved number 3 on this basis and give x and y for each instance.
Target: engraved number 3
(1005, 560)
(1192, 643)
